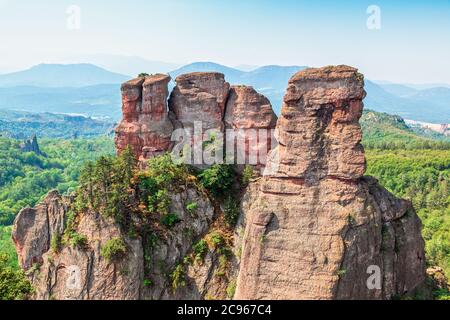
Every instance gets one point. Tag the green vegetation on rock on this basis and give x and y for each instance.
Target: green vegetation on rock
(113, 250)
(218, 179)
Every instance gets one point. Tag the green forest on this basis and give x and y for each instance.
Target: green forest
(422, 176)
(410, 164)
(26, 177)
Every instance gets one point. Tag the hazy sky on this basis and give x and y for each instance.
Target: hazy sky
(413, 44)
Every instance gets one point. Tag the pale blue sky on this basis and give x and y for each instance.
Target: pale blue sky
(413, 44)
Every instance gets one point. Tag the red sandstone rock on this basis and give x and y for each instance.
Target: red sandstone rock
(319, 130)
(314, 225)
(145, 126)
(200, 96)
(251, 116)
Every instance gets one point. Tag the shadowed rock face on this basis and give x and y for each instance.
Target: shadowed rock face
(145, 126)
(315, 225)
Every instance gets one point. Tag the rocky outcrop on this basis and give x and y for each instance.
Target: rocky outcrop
(253, 121)
(316, 226)
(34, 227)
(79, 271)
(31, 145)
(312, 227)
(74, 272)
(200, 96)
(145, 126)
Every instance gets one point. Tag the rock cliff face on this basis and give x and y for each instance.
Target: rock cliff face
(200, 96)
(145, 126)
(253, 121)
(313, 227)
(316, 225)
(81, 271)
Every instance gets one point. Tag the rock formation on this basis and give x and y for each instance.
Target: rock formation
(145, 126)
(204, 98)
(252, 119)
(200, 96)
(313, 227)
(316, 226)
(31, 145)
(80, 272)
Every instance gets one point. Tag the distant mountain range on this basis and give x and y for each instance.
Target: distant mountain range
(127, 65)
(62, 75)
(94, 101)
(94, 91)
(428, 105)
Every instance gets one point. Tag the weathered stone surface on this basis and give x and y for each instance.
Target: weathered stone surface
(74, 273)
(146, 125)
(170, 251)
(252, 119)
(77, 273)
(316, 225)
(319, 133)
(200, 96)
(33, 229)
(311, 227)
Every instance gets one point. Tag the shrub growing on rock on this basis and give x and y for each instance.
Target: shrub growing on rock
(169, 220)
(218, 179)
(231, 211)
(178, 277)
(113, 250)
(200, 249)
(247, 174)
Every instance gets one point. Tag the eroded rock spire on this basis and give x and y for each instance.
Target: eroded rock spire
(315, 225)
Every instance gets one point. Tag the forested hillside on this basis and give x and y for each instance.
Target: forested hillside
(22, 125)
(424, 177)
(415, 166)
(25, 176)
(386, 131)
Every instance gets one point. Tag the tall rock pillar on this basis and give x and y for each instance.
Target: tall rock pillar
(145, 126)
(316, 226)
